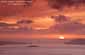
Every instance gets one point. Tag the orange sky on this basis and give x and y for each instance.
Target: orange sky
(40, 13)
(40, 9)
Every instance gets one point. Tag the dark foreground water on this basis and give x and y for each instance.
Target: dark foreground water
(42, 50)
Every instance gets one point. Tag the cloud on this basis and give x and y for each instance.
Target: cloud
(25, 21)
(60, 4)
(61, 18)
(10, 10)
(6, 25)
(42, 23)
(3, 24)
(41, 8)
(70, 28)
(9, 20)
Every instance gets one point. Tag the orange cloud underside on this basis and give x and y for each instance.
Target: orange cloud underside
(44, 22)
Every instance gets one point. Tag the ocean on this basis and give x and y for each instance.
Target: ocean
(42, 49)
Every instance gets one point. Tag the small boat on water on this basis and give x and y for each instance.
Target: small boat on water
(33, 45)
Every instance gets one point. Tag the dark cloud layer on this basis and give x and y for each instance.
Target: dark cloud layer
(25, 21)
(60, 18)
(60, 4)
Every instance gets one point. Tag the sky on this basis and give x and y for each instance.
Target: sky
(47, 16)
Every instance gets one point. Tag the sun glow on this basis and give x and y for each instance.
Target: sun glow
(61, 37)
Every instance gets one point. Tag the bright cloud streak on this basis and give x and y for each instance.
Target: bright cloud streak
(43, 23)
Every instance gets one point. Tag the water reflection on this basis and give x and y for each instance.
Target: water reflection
(3, 52)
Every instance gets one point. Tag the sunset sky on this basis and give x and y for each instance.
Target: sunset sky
(49, 17)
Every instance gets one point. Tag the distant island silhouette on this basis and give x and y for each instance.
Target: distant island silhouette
(79, 41)
(10, 42)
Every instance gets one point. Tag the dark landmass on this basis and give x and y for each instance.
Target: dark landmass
(10, 42)
(76, 41)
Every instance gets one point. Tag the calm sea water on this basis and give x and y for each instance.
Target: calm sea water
(44, 49)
